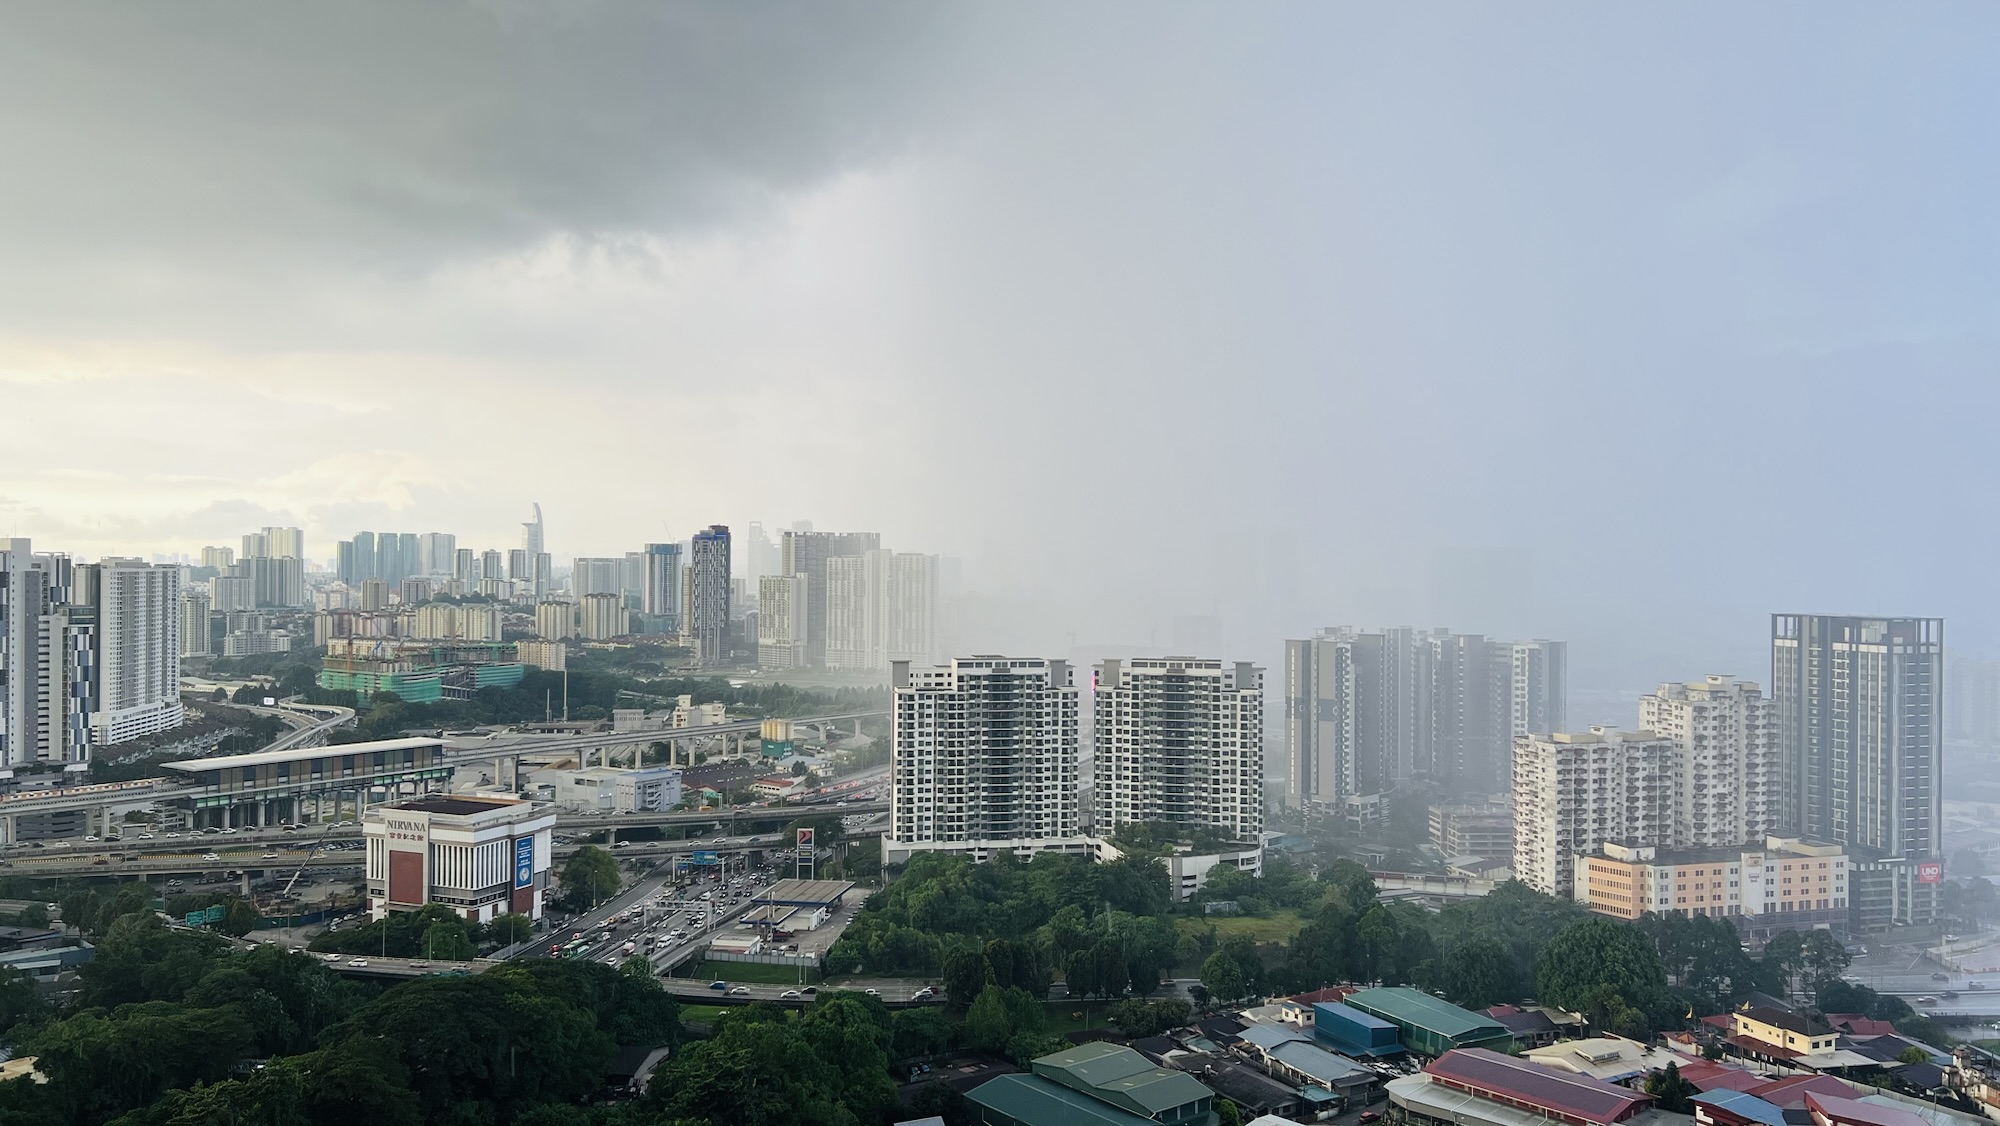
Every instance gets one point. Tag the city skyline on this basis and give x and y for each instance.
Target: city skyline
(1425, 256)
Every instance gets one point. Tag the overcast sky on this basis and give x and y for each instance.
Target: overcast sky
(1623, 324)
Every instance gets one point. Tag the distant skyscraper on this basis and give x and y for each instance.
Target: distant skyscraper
(1365, 710)
(909, 611)
(531, 534)
(491, 566)
(603, 616)
(853, 592)
(439, 552)
(1860, 753)
(781, 621)
(659, 594)
(364, 559)
(985, 758)
(760, 554)
(805, 552)
(465, 566)
(1180, 740)
(194, 622)
(520, 565)
(602, 575)
(1725, 746)
(48, 648)
(139, 649)
(706, 614)
(555, 619)
(1575, 791)
(218, 558)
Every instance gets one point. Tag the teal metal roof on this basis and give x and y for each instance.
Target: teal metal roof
(1120, 1075)
(1420, 1009)
(1031, 1098)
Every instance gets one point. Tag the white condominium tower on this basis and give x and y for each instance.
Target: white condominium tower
(1366, 710)
(781, 621)
(985, 758)
(1180, 740)
(881, 608)
(139, 648)
(1575, 791)
(47, 647)
(1725, 744)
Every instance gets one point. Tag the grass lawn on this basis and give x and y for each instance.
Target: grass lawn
(1064, 1016)
(1279, 926)
(702, 1014)
(749, 971)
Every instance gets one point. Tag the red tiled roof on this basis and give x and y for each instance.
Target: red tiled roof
(1856, 1025)
(1711, 1076)
(1853, 1112)
(1790, 1092)
(1719, 1020)
(1573, 1098)
(1332, 994)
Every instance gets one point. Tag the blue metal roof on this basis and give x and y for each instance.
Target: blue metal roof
(1743, 1105)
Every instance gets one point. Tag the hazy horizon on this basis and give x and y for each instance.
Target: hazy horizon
(1621, 326)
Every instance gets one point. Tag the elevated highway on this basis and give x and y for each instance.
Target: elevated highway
(178, 858)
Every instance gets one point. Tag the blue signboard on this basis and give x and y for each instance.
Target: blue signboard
(704, 858)
(524, 861)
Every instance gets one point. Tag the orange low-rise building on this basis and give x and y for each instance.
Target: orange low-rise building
(1785, 875)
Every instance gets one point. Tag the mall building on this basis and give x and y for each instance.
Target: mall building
(480, 856)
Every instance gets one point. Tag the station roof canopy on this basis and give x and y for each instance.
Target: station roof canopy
(297, 754)
(806, 893)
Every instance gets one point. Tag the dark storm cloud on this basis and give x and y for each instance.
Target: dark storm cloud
(390, 134)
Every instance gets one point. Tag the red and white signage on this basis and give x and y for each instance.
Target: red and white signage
(1930, 872)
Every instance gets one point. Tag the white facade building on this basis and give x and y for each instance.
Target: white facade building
(555, 619)
(194, 622)
(985, 757)
(1724, 733)
(660, 587)
(609, 789)
(479, 856)
(1573, 791)
(604, 616)
(139, 649)
(1180, 740)
(881, 608)
(47, 654)
(781, 621)
(589, 576)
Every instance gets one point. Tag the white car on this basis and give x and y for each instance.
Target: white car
(331, 957)
(210, 856)
(358, 964)
(149, 836)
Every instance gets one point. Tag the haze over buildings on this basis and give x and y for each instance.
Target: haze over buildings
(889, 272)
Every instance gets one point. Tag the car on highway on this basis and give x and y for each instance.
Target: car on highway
(924, 994)
(331, 957)
(873, 992)
(93, 839)
(210, 856)
(358, 964)
(740, 991)
(1934, 977)
(268, 856)
(720, 985)
(419, 965)
(790, 995)
(149, 836)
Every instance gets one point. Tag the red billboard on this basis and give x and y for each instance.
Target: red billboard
(1930, 871)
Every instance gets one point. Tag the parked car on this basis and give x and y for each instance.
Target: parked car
(1368, 1116)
